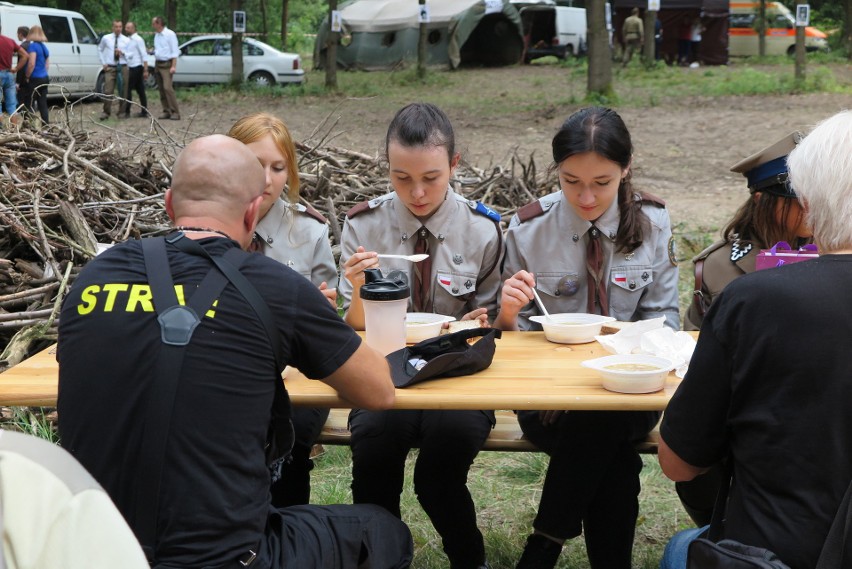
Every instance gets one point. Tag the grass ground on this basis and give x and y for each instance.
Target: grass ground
(506, 487)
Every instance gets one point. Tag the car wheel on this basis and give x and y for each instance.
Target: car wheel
(99, 85)
(791, 51)
(151, 81)
(261, 79)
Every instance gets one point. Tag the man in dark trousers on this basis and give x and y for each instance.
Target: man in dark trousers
(206, 405)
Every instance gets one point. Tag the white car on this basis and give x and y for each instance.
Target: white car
(207, 59)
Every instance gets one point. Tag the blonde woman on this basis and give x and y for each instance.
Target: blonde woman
(297, 236)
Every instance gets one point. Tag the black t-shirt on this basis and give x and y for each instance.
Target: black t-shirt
(215, 487)
(771, 380)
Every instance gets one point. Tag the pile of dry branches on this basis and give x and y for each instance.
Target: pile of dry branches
(63, 193)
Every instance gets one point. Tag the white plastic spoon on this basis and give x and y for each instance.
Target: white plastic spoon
(413, 258)
(541, 305)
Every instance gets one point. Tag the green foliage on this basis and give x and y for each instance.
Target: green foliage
(37, 421)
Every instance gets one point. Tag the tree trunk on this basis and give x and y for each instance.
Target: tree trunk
(800, 49)
(650, 43)
(236, 47)
(171, 14)
(125, 11)
(761, 29)
(848, 28)
(74, 5)
(600, 53)
(264, 28)
(285, 16)
(421, 47)
(331, 51)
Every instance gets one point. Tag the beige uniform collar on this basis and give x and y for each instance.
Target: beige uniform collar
(439, 225)
(577, 227)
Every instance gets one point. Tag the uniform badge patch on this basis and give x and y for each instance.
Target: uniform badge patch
(738, 250)
(672, 248)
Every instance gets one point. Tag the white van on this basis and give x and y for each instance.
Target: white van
(73, 45)
(780, 31)
(553, 30)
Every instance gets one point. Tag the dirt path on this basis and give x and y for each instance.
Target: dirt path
(684, 147)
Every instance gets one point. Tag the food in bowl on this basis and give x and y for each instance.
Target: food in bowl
(572, 327)
(632, 373)
(421, 326)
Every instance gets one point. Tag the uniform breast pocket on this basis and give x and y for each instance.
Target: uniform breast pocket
(453, 290)
(626, 285)
(558, 291)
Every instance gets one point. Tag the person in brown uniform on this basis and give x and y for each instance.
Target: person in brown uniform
(771, 213)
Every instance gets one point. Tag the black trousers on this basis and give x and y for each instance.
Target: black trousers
(38, 97)
(294, 486)
(449, 441)
(592, 480)
(137, 83)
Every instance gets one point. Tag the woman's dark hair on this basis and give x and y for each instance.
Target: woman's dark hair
(602, 131)
(421, 124)
(756, 221)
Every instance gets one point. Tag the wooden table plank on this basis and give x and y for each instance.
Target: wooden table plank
(528, 372)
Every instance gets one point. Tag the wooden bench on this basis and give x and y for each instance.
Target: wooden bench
(505, 436)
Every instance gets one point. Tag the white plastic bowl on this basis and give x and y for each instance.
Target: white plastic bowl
(571, 327)
(632, 381)
(421, 326)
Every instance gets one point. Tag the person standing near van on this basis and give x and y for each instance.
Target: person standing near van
(166, 53)
(633, 31)
(36, 75)
(21, 77)
(138, 68)
(112, 50)
(8, 47)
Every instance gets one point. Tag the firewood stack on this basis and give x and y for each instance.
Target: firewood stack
(63, 193)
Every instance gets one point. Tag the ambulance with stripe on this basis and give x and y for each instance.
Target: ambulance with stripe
(780, 31)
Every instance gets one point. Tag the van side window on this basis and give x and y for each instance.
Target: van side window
(84, 32)
(742, 21)
(56, 29)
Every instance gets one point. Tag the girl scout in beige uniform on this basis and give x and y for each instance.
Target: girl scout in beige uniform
(595, 246)
(461, 278)
(296, 236)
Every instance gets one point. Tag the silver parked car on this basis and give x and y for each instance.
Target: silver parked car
(207, 59)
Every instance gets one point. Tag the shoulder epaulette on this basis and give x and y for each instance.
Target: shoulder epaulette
(530, 211)
(360, 208)
(315, 214)
(706, 252)
(368, 205)
(652, 199)
(483, 209)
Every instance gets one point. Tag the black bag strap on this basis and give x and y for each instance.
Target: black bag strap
(177, 324)
(714, 534)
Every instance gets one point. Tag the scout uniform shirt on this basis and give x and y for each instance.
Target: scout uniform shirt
(465, 244)
(548, 239)
(297, 236)
(717, 265)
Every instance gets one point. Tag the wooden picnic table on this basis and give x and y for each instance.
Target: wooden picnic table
(527, 372)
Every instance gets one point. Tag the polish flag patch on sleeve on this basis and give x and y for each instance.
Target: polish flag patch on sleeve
(619, 278)
(446, 281)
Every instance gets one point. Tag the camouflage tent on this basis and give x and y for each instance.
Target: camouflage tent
(382, 34)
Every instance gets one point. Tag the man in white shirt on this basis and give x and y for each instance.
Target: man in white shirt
(112, 51)
(166, 53)
(136, 52)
